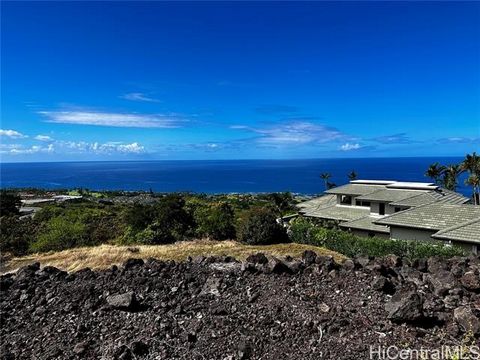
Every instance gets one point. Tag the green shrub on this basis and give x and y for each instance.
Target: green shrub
(303, 231)
(16, 235)
(60, 233)
(259, 226)
(139, 216)
(216, 221)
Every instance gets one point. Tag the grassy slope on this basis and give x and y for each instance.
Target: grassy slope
(104, 256)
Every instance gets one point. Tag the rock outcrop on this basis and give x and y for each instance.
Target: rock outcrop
(219, 308)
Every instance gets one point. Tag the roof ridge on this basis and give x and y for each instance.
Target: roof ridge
(457, 226)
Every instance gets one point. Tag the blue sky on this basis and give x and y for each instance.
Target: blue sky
(152, 80)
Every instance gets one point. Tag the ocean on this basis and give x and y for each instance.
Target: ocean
(215, 176)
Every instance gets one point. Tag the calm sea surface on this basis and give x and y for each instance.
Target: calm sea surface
(214, 176)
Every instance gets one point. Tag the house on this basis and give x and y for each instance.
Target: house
(358, 205)
(457, 224)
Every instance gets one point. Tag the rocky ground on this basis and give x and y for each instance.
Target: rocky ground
(218, 308)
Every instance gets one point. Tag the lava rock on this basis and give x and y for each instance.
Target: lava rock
(126, 301)
(309, 257)
(471, 280)
(258, 258)
(405, 306)
(442, 281)
(466, 319)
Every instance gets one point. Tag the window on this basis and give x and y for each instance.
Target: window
(381, 209)
(346, 200)
(363, 203)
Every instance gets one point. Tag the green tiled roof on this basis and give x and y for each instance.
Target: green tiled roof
(318, 203)
(435, 216)
(441, 196)
(339, 213)
(391, 195)
(468, 231)
(366, 223)
(355, 189)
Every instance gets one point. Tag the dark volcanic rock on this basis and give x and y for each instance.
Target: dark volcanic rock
(471, 280)
(405, 306)
(217, 308)
(258, 258)
(467, 320)
(126, 301)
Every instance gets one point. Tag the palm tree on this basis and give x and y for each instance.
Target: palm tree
(450, 176)
(434, 172)
(471, 163)
(474, 181)
(325, 177)
(352, 176)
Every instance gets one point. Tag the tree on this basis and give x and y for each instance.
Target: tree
(282, 202)
(471, 163)
(435, 171)
(352, 176)
(139, 216)
(9, 203)
(216, 221)
(172, 222)
(450, 176)
(474, 181)
(259, 227)
(325, 177)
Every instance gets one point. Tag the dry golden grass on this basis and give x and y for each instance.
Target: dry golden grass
(104, 256)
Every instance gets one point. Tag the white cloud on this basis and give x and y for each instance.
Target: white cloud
(12, 134)
(460, 140)
(45, 138)
(73, 147)
(136, 96)
(35, 149)
(114, 119)
(106, 148)
(133, 148)
(349, 147)
(294, 132)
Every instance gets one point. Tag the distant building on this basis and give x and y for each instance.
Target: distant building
(393, 209)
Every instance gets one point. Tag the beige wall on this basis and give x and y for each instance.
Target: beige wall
(400, 233)
(374, 207)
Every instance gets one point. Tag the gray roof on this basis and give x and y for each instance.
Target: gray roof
(355, 189)
(440, 196)
(318, 203)
(435, 216)
(391, 195)
(468, 231)
(338, 212)
(366, 223)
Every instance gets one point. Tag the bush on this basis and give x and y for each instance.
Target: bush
(303, 231)
(216, 221)
(16, 235)
(60, 233)
(259, 226)
(172, 222)
(138, 216)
